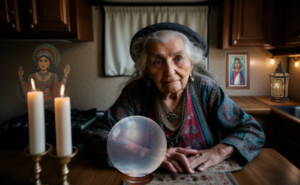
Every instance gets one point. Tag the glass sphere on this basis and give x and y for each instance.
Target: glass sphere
(136, 146)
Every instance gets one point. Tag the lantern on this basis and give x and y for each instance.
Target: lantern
(279, 85)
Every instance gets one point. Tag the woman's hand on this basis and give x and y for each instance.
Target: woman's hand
(67, 70)
(21, 72)
(176, 160)
(211, 157)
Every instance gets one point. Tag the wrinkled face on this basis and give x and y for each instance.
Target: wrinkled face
(43, 63)
(168, 65)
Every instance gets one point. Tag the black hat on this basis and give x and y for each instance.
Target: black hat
(190, 34)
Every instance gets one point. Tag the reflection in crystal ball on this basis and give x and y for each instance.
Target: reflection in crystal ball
(136, 146)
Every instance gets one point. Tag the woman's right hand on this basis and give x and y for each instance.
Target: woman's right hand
(176, 160)
(21, 72)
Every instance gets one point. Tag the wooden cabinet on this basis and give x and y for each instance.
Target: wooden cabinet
(48, 16)
(247, 23)
(46, 19)
(266, 121)
(292, 35)
(287, 136)
(9, 16)
(289, 149)
(287, 28)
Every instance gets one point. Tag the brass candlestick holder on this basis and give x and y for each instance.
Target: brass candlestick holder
(63, 162)
(36, 158)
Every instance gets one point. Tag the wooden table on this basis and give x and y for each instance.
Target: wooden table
(268, 168)
(266, 100)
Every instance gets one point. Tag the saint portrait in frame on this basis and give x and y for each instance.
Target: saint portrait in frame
(237, 70)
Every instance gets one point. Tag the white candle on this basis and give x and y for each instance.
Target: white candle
(63, 124)
(36, 119)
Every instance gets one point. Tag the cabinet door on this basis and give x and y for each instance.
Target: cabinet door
(247, 23)
(293, 23)
(47, 16)
(46, 19)
(289, 149)
(9, 16)
(252, 23)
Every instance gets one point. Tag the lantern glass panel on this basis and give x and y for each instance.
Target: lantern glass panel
(277, 87)
(286, 87)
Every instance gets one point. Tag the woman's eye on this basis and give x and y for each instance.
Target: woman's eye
(178, 58)
(157, 62)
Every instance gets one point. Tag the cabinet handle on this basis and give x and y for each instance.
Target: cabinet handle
(29, 11)
(234, 41)
(13, 25)
(31, 26)
(12, 12)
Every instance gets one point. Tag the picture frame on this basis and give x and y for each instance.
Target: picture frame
(237, 70)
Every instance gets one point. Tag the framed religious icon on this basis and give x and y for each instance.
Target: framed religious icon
(45, 75)
(237, 70)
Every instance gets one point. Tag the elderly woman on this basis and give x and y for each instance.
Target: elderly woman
(191, 109)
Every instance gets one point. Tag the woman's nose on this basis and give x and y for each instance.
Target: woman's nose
(169, 68)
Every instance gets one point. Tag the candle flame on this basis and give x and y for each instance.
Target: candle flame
(62, 90)
(32, 84)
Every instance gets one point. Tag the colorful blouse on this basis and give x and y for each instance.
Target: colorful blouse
(211, 117)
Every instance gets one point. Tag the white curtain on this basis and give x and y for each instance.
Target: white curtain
(121, 23)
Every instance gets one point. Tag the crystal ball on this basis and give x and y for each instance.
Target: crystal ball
(136, 146)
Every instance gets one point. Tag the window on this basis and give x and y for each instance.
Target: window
(121, 23)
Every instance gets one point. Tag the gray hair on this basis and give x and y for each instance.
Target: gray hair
(139, 53)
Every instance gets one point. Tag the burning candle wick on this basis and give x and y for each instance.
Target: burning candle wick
(33, 85)
(62, 90)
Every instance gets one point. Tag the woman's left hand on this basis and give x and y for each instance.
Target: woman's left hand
(211, 157)
(176, 160)
(67, 70)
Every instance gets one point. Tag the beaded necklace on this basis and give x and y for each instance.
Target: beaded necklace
(171, 116)
(43, 76)
(171, 141)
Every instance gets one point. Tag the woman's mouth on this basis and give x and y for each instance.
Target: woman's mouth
(171, 81)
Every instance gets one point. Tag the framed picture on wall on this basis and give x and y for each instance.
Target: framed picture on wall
(237, 70)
